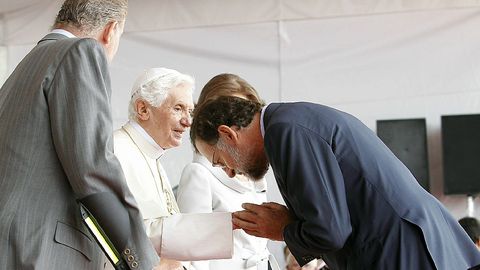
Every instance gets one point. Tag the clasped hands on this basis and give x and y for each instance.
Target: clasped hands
(267, 220)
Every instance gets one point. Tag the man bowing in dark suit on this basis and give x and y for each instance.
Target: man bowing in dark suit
(56, 148)
(350, 200)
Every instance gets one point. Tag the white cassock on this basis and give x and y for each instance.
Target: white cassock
(206, 189)
(182, 237)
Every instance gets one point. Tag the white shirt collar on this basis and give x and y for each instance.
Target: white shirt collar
(262, 127)
(155, 150)
(63, 32)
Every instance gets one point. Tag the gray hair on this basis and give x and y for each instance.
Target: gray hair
(90, 16)
(153, 86)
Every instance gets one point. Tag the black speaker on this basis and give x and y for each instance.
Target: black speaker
(407, 139)
(461, 154)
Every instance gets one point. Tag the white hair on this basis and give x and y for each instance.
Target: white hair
(153, 86)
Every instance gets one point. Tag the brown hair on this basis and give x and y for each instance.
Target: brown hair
(228, 85)
(225, 110)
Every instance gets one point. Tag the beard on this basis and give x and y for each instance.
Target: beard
(253, 164)
(257, 167)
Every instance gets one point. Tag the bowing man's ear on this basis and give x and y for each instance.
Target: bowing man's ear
(228, 134)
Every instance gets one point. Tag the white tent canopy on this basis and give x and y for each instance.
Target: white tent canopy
(24, 21)
(376, 59)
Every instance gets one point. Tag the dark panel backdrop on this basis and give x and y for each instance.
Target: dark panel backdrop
(461, 153)
(407, 139)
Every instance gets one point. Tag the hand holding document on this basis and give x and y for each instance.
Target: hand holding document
(267, 220)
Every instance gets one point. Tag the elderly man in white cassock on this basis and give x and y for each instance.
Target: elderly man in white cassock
(159, 114)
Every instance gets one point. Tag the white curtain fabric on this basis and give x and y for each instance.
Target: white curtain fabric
(23, 21)
(374, 59)
(3, 63)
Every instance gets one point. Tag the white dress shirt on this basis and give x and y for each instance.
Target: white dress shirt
(63, 32)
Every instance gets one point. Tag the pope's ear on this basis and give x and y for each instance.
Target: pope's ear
(228, 134)
(142, 110)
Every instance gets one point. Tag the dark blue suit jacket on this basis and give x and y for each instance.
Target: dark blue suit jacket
(356, 204)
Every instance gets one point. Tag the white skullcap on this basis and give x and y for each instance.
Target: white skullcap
(151, 74)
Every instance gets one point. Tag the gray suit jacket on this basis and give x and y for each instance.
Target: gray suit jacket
(56, 147)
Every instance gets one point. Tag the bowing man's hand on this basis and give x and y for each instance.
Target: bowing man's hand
(267, 220)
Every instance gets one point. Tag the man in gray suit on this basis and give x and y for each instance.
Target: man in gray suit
(350, 200)
(56, 148)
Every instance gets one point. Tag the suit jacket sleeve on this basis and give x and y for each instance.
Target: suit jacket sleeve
(311, 183)
(81, 124)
